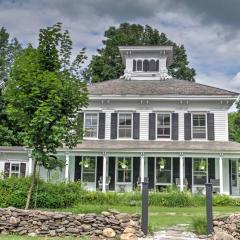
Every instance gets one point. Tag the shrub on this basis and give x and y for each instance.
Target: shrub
(199, 225)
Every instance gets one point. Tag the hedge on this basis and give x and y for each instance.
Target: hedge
(13, 192)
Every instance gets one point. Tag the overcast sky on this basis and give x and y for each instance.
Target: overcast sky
(209, 29)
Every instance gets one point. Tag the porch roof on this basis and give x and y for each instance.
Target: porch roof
(159, 146)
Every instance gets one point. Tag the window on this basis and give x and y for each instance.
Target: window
(145, 66)
(199, 126)
(91, 125)
(163, 125)
(15, 169)
(125, 126)
(152, 65)
(88, 169)
(163, 170)
(134, 65)
(199, 171)
(124, 169)
(234, 173)
(139, 65)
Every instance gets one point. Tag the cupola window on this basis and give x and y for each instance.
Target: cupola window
(145, 65)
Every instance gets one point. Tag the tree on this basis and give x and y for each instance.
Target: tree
(234, 126)
(44, 95)
(108, 64)
(10, 134)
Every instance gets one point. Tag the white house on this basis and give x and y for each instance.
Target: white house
(148, 126)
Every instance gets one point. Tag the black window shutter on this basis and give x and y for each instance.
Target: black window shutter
(210, 126)
(176, 169)
(101, 126)
(134, 65)
(152, 126)
(6, 169)
(136, 171)
(99, 169)
(111, 173)
(114, 125)
(230, 176)
(187, 126)
(174, 126)
(136, 125)
(22, 169)
(211, 168)
(77, 175)
(151, 172)
(188, 171)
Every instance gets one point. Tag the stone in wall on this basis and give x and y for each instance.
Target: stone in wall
(109, 224)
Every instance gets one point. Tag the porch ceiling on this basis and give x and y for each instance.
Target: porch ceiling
(159, 146)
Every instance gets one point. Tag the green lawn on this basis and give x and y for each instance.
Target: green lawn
(160, 217)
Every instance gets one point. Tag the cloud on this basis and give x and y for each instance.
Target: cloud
(208, 29)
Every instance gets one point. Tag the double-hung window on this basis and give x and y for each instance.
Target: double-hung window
(199, 126)
(125, 125)
(199, 171)
(163, 125)
(15, 169)
(88, 169)
(124, 169)
(91, 125)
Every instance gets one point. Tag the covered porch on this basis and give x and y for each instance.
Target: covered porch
(110, 165)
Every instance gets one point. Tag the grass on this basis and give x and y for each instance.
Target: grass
(159, 217)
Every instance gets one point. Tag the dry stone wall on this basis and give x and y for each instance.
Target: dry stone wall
(109, 224)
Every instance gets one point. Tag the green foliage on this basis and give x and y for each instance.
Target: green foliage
(234, 126)
(10, 133)
(64, 195)
(108, 63)
(200, 225)
(44, 94)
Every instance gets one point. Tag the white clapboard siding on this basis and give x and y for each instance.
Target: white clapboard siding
(144, 122)
(108, 125)
(221, 125)
(181, 126)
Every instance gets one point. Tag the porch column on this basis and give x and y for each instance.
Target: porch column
(30, 163)
(104, 172)
(142, 168)
(221, 173)
(181, 172)
(67, 167)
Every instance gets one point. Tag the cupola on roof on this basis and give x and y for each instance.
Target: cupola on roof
(146, 62)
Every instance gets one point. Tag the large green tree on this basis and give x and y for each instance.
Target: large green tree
(234, 126)
(44, 94)
(10, 134)
(107, 64)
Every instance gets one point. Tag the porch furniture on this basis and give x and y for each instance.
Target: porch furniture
(200, 189)
(185, 183)
(100, 183)
(215, 185)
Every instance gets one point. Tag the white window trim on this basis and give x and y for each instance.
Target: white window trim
(198, 185)
(116, 171)
(199, 139)
(125, 138)
(16, 162)
(155, 175)
(170, 136)
(92, 112)
(95, 169)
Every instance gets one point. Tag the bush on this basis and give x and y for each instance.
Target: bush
(200, 225)
(13, 192)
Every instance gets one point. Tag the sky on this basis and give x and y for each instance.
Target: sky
(209, 29)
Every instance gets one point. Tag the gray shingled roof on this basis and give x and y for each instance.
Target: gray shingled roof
(159, 146)
(157, 88)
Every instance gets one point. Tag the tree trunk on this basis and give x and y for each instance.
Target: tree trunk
(29, 194)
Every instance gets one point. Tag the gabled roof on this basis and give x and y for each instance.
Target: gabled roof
(169, 87)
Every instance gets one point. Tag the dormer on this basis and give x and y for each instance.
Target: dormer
(146, 62)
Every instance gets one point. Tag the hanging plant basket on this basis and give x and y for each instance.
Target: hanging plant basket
(162, 164)
(85, 163)
(123, 164)
(202, 165)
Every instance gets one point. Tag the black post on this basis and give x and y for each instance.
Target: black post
(209, 211)
(145, 207)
